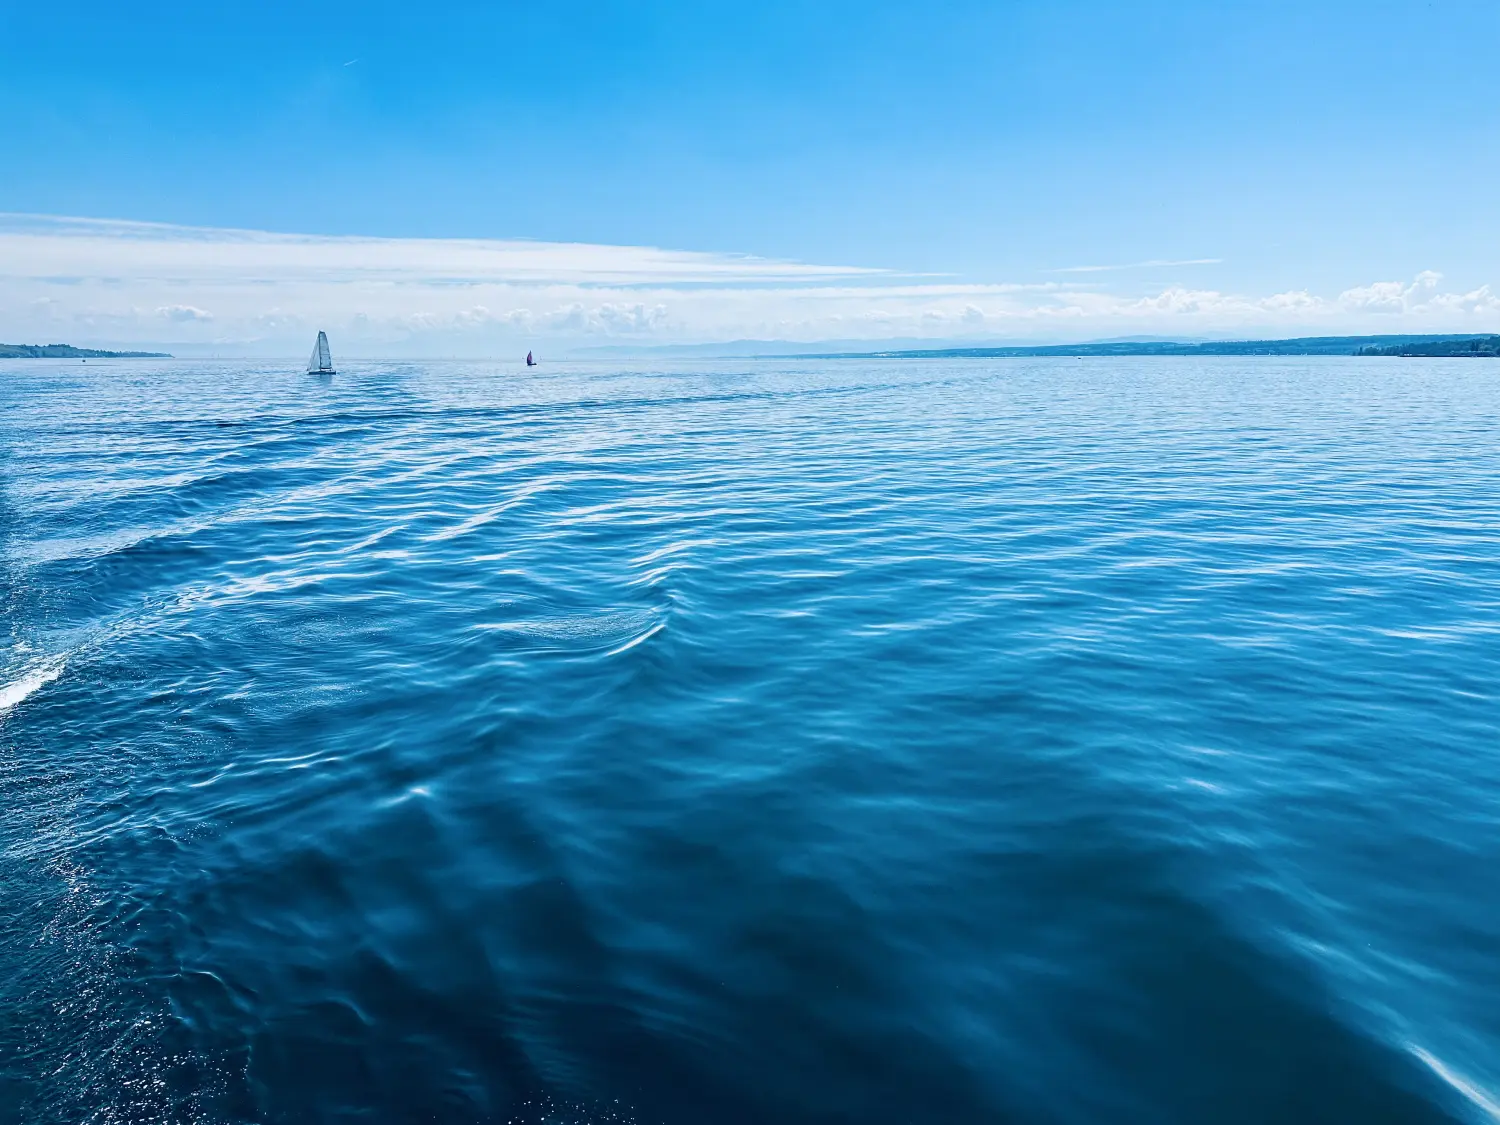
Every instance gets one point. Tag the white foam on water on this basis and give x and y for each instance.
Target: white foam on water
(1477, 1095)
(32, 680)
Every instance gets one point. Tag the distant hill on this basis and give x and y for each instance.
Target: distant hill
(1484, 346)
(66, 351)
(1307, 345)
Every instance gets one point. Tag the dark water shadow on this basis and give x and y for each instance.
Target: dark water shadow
(1091, 988)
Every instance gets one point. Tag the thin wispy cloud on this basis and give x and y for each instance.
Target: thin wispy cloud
(74, 246)
(1152, 264)
(94, 282)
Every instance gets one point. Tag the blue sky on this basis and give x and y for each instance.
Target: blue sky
(1296, 166)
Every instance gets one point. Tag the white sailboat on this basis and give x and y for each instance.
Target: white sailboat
(321, 362)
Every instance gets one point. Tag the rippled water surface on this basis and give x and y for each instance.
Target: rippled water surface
(794, 742)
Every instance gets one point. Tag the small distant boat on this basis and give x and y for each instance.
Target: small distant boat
(529, 361)
(321, 362)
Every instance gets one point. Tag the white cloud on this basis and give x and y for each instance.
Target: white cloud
(1295, 301)
(189, 288)
(1480, 300)
(183, 314)
(1390, 296)
(73, 248)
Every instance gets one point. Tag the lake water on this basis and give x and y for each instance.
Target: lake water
(790, 742)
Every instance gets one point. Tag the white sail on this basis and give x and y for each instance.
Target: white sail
(321, 362)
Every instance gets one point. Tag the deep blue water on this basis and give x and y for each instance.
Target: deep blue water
(1019, 741)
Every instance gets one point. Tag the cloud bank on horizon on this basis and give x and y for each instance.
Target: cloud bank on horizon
(193, 289)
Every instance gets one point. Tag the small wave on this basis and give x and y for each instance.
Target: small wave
(32, 680)
(617, 631)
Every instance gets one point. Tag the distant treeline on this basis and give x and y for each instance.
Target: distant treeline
(66, 351)
(1483, 346)
(1307, 345)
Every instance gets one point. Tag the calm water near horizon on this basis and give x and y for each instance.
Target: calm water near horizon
(717, 743)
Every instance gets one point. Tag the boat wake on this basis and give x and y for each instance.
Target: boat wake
(1476, 1095)
(31, 680)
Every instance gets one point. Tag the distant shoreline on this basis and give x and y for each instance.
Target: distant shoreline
(67, 351)
(1468, 345)
(1475, 345)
